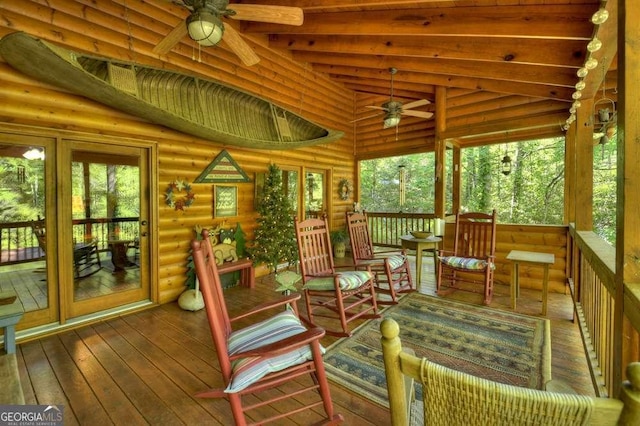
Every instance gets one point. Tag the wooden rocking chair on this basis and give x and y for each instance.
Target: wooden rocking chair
(391, 269)
(474, 248)
(347, 295)
(264, 355)
(452, 397)
(86, 257)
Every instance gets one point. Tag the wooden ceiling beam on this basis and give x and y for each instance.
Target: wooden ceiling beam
(555, 52)
(554, 120)
(498, 86)
(546, 21)
(561, 76)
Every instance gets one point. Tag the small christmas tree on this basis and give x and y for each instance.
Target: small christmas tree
(275, 238)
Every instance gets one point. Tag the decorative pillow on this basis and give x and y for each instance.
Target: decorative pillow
(248, 370)
(347, 280)
(464, 263)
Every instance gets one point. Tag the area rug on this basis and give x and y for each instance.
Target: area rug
(497, 345)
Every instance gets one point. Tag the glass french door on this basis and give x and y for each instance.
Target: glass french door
(105, 226)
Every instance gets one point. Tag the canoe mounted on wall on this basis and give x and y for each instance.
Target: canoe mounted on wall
(196, 106)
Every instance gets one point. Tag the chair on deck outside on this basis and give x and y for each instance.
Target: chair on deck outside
(451, 397)
(346, 295)
(264, 355)
(86, 257)
(473, 254)
(392, 273)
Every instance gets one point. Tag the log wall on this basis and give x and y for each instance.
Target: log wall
(128, 30)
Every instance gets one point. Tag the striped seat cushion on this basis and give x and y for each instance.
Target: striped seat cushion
(248, 370)
(469, 263)
(347, 280)
(395, 261)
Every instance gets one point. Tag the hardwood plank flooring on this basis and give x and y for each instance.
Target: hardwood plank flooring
(145, 368)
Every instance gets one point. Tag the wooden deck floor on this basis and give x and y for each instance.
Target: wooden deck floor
(144, 368)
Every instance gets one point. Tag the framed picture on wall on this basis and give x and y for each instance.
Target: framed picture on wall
(225, 201)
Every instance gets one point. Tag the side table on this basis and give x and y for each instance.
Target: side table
(9, 316)
(419, 245)
(529, 258)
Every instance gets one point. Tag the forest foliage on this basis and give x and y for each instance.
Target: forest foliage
(533, 193)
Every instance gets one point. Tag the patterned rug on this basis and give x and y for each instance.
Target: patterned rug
(501, 346)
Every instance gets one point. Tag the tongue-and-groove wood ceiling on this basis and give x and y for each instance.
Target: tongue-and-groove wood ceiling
(517, 58)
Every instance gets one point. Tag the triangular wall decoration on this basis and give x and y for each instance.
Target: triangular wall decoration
(222, 169)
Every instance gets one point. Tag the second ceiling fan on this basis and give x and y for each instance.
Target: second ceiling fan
(204, 25)
(394, 110)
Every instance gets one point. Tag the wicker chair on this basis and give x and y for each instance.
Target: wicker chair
(391, 269)
(346, 294)
(453, 398)
(473, 254)
(260, 357)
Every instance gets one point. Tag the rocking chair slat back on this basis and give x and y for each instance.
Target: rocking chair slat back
(475, 235)
(361, 244)
(315, 244)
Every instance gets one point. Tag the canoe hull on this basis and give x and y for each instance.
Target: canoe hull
(199, 107)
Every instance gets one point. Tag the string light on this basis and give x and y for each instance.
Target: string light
(594, 45)
(600, 17)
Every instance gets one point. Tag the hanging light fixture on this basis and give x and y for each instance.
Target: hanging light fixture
(34, 154)
(391, 120)
(506, 164)
(204, 26)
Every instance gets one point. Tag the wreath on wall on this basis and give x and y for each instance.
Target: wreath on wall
(179, 195)
(344, 189)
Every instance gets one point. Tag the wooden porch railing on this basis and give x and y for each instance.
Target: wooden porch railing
(593, 283)
(19, 244)
(387, 228)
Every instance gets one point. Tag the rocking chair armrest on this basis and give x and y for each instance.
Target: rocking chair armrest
(445, 252)
(283, 346)
(388, 252)
(292, 298)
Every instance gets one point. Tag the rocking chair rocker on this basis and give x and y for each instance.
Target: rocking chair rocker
(474, 250)
(264, 355)
(390, 268)
(346, 295)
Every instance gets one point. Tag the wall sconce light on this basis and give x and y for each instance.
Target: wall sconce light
(506, 165)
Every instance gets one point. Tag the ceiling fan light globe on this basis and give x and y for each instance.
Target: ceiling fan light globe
(391, 121)
(205, 28)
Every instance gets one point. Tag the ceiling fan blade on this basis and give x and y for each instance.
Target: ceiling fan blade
(171, 39)
(416, 104)
(364, 118)
(240, 47)
(376, 107)
(421, 114)
(265, 13)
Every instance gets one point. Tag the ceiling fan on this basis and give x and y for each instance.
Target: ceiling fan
(204, 25)
(393, 110)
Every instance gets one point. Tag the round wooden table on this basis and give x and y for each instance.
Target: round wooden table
(420, 245)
